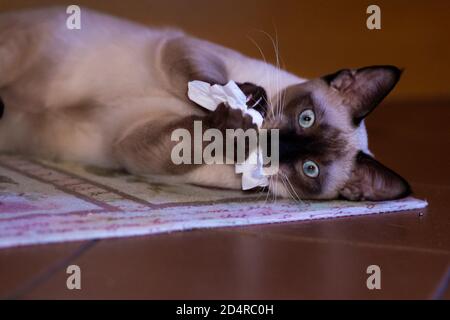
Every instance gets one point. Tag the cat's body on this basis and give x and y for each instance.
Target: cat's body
(75, 92)
(111, 93)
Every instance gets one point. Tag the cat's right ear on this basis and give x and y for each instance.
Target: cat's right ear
(363, 89)
(371, 180)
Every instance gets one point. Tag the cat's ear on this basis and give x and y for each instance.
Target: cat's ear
(370, 180)
(363, 89)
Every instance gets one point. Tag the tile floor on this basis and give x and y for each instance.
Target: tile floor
(306, 260)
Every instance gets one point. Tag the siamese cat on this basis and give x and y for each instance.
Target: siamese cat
(111, 94)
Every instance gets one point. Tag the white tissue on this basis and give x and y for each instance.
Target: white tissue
(252, 174)
(210, 97)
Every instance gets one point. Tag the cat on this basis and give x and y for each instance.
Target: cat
(111, 94)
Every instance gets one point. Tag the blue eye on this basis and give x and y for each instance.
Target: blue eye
(310, 169)
(306, 118)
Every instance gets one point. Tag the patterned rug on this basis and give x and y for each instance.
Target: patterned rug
(43, 202)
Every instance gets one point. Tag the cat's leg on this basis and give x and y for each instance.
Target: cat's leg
(185, 59)
(13, 56)
(147, 149)
(18, 44)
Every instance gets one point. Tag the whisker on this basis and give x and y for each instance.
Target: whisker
(287, 188)
(272, 75)
(268, 75)
(260, 193)
(292, 188)
(276, 189)
(275, 44)
(268, 191)
(277, 58)
(276, 75)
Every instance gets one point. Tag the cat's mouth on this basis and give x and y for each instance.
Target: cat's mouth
(279, 188)
(256, 97)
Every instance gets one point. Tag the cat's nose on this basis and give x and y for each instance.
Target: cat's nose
(288, 151)
(288, 147)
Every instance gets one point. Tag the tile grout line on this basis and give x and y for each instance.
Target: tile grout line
(49, 272)
(430, 185)
(343, 242)
(443, 286)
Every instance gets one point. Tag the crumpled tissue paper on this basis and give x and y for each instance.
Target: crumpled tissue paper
(209, 97)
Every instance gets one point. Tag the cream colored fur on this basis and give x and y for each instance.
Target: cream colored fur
(73, 94)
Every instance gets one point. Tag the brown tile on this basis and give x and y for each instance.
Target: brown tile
(407, 230)
(413, 138)
(167, 266)
(442, 291)
(413, 38)
(221, 265)
(446, 295)
(21, 267)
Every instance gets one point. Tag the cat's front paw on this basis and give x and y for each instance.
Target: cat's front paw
(225, 117)
(256, 97)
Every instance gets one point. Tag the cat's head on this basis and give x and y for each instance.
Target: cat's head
(323, 141)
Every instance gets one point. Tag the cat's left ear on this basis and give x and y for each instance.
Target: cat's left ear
(370, 180)
(363, 89)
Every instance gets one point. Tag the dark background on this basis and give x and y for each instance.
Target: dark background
(315, 37)
(310, 259)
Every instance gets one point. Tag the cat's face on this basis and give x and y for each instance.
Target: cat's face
(323, 142)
